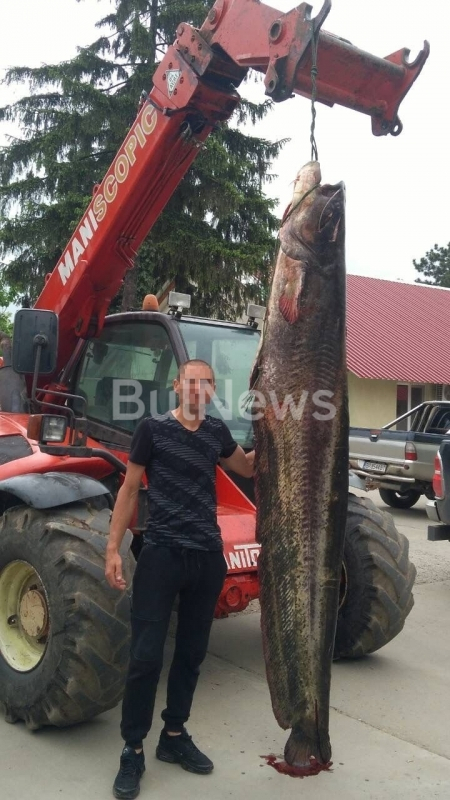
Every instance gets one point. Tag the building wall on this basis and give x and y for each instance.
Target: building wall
(430, 391)
(372, 403)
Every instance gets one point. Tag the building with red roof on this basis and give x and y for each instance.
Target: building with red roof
(397, 340)
(397, 347)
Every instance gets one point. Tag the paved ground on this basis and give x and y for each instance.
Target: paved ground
(389, 720)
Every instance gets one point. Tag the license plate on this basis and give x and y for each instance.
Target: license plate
(374, 466)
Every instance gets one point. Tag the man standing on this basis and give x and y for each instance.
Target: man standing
(182, 555)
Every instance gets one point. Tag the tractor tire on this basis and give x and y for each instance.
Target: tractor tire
(377, 581)
(64, 633)
(406, 499)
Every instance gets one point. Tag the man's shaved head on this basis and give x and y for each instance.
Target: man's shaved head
(199, 361)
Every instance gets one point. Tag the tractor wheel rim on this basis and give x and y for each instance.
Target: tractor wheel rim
(24, 616)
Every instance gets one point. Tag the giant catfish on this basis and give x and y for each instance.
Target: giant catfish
(301, 465)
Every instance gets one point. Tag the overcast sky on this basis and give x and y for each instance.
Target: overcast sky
(397, 188)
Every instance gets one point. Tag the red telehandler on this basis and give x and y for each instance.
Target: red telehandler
(65, 429)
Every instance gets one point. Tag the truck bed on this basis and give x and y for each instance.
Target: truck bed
(387, 456)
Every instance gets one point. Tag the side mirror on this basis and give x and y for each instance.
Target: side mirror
(35, 342)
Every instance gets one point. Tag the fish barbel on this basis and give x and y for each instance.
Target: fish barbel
(301, 464)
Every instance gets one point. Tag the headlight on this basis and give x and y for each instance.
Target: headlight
(53, 428)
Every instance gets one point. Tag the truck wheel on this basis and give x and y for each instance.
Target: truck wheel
(377, 581)
(64, 633)
(406, 499)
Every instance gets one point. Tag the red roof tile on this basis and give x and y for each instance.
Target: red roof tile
(398, 331)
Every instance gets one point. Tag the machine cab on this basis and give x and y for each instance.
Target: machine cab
(127, 373)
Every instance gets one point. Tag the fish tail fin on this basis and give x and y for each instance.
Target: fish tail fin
(303, 750)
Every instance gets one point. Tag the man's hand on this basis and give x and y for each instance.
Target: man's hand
(120, 520)
(113, 570)
(251, 460)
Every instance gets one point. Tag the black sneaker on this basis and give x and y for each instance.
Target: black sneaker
(132, 765)
(182, 750)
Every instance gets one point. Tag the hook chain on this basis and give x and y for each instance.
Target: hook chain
(314, 73)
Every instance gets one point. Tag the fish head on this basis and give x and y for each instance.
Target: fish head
(312, 242)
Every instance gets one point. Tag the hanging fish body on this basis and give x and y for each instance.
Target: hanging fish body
(301, 465)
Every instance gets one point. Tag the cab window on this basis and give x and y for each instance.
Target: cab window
(231, 352)
(127, 374)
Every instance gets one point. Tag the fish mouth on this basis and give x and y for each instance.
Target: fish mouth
(307, 179)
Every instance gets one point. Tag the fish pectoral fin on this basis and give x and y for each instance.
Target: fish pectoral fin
(289, 302)
(289, 308)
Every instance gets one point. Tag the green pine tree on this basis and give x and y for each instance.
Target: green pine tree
(216, 234)
(434, 266)
(6, 323)
(6, 296)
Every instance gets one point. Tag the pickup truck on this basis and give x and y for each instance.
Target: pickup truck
(438, 508)
(400, 463)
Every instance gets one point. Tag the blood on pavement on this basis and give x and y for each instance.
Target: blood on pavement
(297, 772)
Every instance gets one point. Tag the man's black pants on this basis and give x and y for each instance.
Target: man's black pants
(161, 574)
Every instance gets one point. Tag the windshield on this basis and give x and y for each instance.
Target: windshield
(127, 374)
(231, 353)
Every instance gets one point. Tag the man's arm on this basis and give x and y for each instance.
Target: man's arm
(120, 520)
(240, 462)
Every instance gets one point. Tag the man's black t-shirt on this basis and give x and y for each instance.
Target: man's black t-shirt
(181, 471)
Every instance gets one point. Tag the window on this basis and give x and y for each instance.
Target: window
(127, 374)
(408, 397)
(417, 395)
(439, 421)
(231, 353)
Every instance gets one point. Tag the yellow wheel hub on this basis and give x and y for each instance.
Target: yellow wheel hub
(24, 617)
